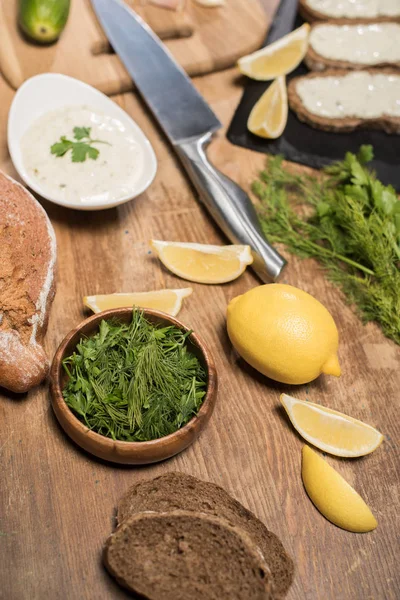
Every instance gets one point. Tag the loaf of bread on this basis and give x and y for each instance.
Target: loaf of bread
(362, 11)
(27, 262)
(186, 555)
(353, 46)
(342, 101)
(178, 491)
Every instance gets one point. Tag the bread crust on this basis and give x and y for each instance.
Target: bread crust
(317, 62)
(179, 491)
(311, 15)
(27, 265)
(388, 124)
(120, 560)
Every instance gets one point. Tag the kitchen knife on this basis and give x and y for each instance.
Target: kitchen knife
(188, 123)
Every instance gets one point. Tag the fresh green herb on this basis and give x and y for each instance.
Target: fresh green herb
(81, 148)
(134, 382)
(347, 220)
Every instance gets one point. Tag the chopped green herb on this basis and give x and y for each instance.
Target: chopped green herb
(134, 382)
(81, 148)
(348, 221)
(81, 132)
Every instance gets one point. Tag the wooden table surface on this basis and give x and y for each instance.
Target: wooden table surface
(219, 38)
(57, 502)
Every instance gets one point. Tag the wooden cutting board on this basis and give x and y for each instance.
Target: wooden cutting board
(57, 502)
(218, 37)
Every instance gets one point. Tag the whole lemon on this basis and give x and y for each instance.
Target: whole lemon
(284, 333)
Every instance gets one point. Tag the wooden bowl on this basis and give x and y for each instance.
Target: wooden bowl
(131, 453)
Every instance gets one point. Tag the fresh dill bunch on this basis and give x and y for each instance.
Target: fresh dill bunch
(134, 382)
(348, 221)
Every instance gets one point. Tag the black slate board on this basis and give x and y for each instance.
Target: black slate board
(301, 143)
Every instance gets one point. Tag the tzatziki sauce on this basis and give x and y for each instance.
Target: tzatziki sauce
(358, 94)
(362, 44)
(112, 175)
(353, 9)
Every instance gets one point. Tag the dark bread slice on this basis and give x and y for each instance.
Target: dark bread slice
(27, 263)
(318, 62)
(183, 554)
(309, 14)
(178, 491)
(388, 124)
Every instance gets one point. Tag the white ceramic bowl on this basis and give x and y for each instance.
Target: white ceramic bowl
(51, 91)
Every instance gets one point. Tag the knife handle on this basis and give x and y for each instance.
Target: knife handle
(230, 207)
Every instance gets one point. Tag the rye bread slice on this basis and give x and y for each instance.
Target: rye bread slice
(183, 554)
(27, 263)
(386, 123)
(318, 62)
(311, 15)
(178, 491)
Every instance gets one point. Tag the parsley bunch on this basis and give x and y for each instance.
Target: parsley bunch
(81, 148)
(134, 382)
(348, 221)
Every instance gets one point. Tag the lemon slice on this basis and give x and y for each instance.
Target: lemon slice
(203, 263)
(269, 115)
(329, 430)
(333, 496)
(279, 58)
(168, 301)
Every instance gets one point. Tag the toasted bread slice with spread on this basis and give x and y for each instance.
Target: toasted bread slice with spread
(27, 263)
(353, 46)
(342, 101)
(183, 554)
(347, 11)
(179, 491)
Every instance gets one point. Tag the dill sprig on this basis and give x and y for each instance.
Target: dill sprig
(348, 221)
(134, 382)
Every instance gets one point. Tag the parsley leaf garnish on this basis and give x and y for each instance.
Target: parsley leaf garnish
(81, 148)
(61, 147)
(81, 151)
(81, 132)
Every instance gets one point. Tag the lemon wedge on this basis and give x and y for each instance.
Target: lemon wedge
(168, 301)
(279, 58)
(329, 430)
(203, 263)
(269, 115)
(333, 496)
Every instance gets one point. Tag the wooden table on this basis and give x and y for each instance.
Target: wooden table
(57, 502)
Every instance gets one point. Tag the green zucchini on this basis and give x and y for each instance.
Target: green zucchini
(43, 20)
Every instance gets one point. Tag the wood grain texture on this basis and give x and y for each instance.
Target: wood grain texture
(166, 23)
(221, 36)
(57, 502)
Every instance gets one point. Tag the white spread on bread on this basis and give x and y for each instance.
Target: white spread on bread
(113, 175)
(353, 9)
(370, 44)
(357, 94)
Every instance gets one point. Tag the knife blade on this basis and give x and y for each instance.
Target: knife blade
(188, 122)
